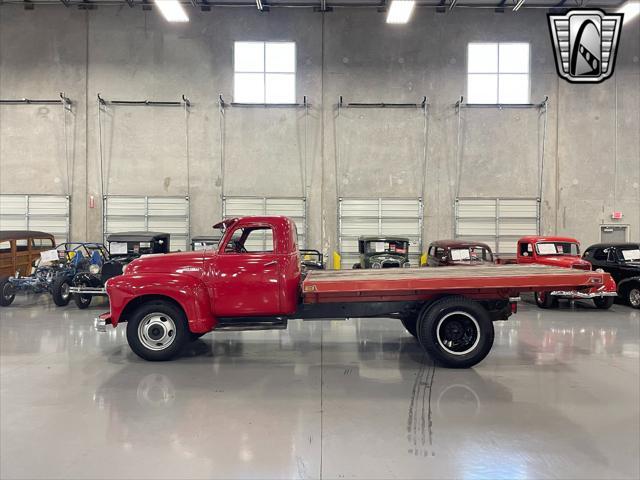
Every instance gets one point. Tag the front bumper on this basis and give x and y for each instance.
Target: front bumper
(88, 290)
(100, 323)
(580, 295)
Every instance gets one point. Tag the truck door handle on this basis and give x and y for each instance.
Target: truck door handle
(268, 264)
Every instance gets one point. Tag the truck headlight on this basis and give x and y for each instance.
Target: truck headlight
(94, 269)
(376, 265)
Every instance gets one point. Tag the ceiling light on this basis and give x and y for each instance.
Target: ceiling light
(630, 10)
(400, 11)
(172, 10)
(518, 5)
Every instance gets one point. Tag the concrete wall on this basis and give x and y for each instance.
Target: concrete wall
(592, 153)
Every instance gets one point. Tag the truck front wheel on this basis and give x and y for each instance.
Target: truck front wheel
(157, 331)
(456, 331)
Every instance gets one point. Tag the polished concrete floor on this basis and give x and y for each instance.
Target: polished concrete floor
(558, 397)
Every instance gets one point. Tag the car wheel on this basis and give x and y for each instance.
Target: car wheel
(603, 303)
(411, 324)
(82, 300)
(456, 331)
(60, 291)
(158, 331)
(7, 292)
(633, 296)
(544, 300)
(356, 266)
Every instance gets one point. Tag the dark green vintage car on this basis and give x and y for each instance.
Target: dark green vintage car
(383, 252)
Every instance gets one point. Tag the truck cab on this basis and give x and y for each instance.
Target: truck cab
(560, 252)
(553, 251)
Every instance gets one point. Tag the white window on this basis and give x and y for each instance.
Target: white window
(498, 73)
(264, 72)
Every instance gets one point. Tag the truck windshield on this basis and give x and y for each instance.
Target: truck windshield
(630, 254)
(471, 254)
(557, 248)
(386, 246)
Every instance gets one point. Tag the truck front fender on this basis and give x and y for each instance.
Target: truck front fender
(127, 291)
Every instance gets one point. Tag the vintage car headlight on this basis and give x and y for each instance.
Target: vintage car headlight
(94, 269)
(376, 265)
(406, 265)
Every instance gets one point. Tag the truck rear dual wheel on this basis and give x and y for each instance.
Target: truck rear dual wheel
(158, 331)
(456, 331)
(411, 324)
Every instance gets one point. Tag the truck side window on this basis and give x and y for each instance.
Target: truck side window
(525, 249)
(250, 240)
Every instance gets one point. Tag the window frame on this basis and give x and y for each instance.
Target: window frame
(498, 74)
(265, 73)
(246, 232)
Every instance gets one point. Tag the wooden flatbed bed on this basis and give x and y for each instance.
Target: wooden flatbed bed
(400, 284)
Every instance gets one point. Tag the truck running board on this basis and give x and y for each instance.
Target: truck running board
(238, 325)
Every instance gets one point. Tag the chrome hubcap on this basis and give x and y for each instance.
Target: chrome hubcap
(64, 290)
(634, 297)
(458, 333)
(157, 331)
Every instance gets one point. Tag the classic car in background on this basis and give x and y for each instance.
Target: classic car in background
(20, 249)
(561, 252)
(123, 248)
(622, 261)
(383, 252)
(443, 253)
(54, 272)
(205, 242)
(311, 259)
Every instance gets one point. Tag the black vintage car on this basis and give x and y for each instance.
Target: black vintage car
(123, 248)
(622, 261)
(383, 252)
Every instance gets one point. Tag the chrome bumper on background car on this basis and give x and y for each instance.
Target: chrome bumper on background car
(88, 290)
(100, 324)
(569, 294)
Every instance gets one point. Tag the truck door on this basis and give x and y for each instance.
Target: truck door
(247, 274)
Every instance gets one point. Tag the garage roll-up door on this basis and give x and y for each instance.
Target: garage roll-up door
(378, 216)
(293, 207)
(499, 222)
(47, 213)
(148, 214)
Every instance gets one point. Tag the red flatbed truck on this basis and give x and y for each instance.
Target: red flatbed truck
(254, 281)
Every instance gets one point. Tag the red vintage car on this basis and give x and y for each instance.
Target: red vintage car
(562, 252)
(254, 281)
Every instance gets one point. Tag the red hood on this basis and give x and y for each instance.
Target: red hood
(180, 262)
(566, 261)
